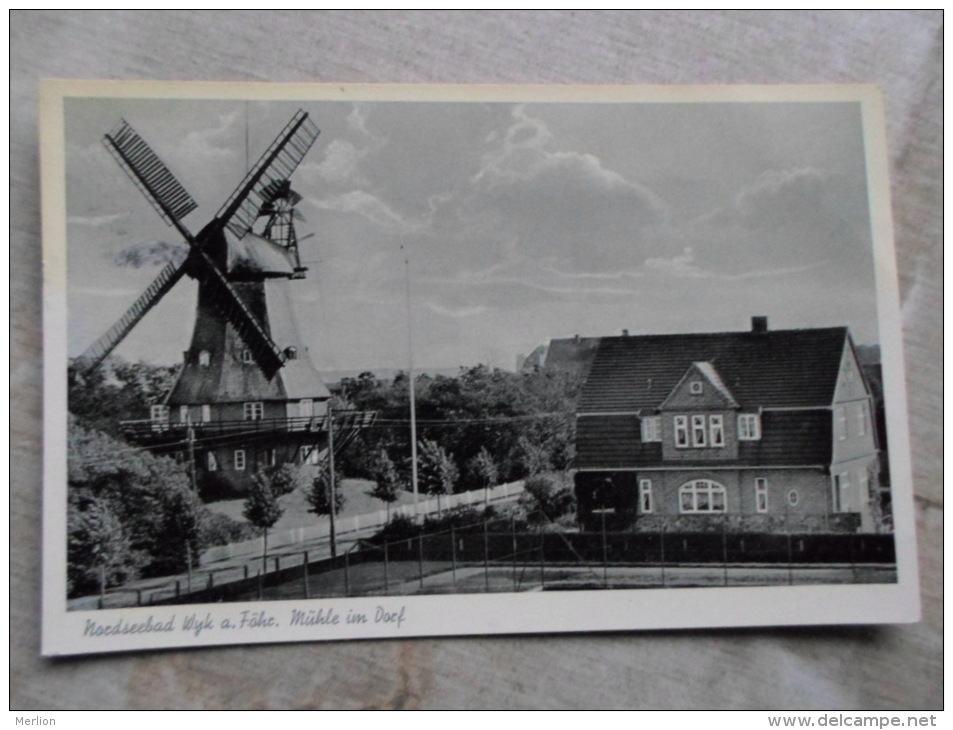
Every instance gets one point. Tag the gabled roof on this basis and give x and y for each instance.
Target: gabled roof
(707, 372)
(573, 355)
(773, 369)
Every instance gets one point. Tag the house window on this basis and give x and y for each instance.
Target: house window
(702, 495)
(749, 427)
(247, 357)
(306, 408)
(159, 414)
(206, 413)
(861, 419)
(651, 429)
(253, 411)
(863, 480)
(681, 432)
(841, 485)
(204, 358)
(699, 432)
(184, 414)
(646, 504)
(761, 494)
(212, 461)
(793, 498)
(239, 459)
(272, 457)
(695, 387)
(840, 415)
(716, 430)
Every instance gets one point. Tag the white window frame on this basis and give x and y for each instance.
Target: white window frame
(651, 429)
(206, 413)
(205, 358)
(159, 414)
(840, 421)
(646, 500)
(699, 432)
(749, 427)
(716, 431)
(211, 461)
(253, 411)
(246, 357)
(861, 419)
(183, 414)
(695, 387)
(681, 432)
(841, 484)
(306, 408)
(272, 457)
(240, 460)
(863, 482)
(761, 495)
(703, 495)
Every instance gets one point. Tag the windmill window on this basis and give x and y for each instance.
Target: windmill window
(212, 461)
(253, 411)
(184, 414)
(205, 358)
(749, 427)
(206, 413)
(702, 495)
(291, 353)
(239, 459)
(761, 494)
(247, 357)
(159, 414)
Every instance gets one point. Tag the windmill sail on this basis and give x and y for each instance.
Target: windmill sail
(277, 163)
(98, 351)
(150, 175)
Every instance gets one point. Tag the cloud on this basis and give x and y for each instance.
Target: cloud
(681, 265)
(151, 253)
(372, 209)
(344, 157)
(456, 312)
(213, 143)
(95, 221)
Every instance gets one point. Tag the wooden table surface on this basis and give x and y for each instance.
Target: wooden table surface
(884, 667)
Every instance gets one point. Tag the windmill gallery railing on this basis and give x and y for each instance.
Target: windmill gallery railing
(155, 432)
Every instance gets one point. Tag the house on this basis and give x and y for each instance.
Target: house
(761, 429)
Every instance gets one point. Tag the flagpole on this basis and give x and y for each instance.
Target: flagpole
(410, 377)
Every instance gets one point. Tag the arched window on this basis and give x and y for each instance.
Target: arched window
(702, 495)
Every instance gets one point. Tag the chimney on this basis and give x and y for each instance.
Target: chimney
(759, 324)
(625, 333)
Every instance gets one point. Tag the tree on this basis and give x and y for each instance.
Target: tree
(483, 473)
(436, 471)
(319, 497)
(99, 554)
(386, 482)
(262, 510)
(542, 497)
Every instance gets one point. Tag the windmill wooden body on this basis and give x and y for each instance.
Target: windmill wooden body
(247, 395)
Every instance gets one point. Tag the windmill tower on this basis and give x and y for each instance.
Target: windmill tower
(247, 395)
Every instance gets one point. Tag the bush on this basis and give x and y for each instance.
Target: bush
(545, 500)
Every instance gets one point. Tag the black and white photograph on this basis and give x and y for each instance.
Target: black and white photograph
(333, 362)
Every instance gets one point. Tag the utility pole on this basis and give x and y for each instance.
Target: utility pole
(413, 407)
(334, 547)
(190, 437)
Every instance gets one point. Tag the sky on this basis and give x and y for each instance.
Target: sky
(511, 224)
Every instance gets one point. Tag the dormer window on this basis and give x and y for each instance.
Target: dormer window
(204, 358)
(749, 427)
(651, 429)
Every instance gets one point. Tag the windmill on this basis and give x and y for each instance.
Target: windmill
(247, 394)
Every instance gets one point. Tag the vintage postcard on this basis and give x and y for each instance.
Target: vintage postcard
(329, 362)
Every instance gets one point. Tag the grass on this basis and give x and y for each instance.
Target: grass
(357, 500)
